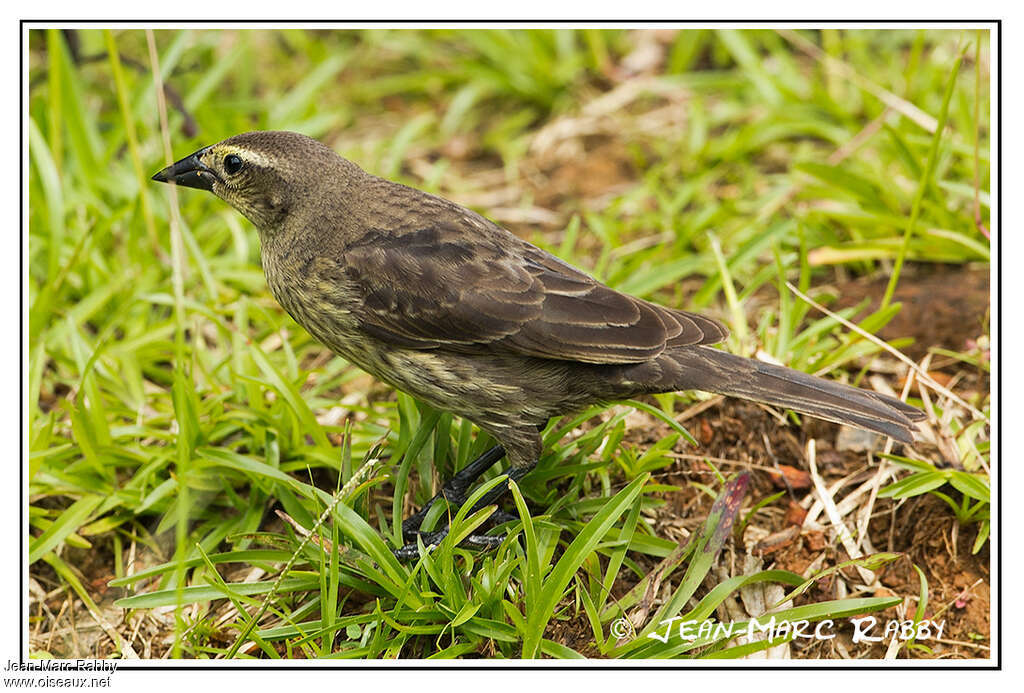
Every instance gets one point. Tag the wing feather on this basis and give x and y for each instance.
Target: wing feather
(467, 288)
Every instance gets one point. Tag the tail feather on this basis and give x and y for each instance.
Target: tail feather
(713, 370)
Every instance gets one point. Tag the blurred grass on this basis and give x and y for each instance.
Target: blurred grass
(728, 163)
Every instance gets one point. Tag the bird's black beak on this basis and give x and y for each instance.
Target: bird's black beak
(190, 172)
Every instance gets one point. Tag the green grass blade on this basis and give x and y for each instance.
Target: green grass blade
(584, 543)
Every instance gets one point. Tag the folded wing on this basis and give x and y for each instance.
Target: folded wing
(446, 287)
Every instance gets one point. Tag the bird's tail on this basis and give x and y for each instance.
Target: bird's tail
(713, 370)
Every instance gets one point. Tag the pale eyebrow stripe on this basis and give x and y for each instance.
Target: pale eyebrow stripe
(247, 154)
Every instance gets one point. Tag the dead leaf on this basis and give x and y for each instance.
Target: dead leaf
(790, 477)
(777, 540)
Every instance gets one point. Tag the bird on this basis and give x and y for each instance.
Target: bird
(444, 304)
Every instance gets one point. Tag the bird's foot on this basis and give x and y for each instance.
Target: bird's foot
(480, 542)
(454, 491)
(411, 525)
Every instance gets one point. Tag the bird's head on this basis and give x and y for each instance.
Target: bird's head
(263, 175)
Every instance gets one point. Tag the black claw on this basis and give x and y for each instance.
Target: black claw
(484, 541)
(411, 551)
(430, 540)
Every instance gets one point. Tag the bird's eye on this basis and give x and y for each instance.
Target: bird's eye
(232, 163)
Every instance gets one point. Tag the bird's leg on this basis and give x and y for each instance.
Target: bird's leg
(454, 490)
(478, 541)
(522, 445)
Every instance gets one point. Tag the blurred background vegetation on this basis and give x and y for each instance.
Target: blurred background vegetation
(173, 403)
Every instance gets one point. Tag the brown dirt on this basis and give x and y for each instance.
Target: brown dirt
(943, 305)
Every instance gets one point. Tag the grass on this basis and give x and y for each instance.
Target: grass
(174, 404)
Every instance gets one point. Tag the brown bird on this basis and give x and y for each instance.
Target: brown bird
(443, 304)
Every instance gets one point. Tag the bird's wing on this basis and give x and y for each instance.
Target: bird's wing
(441, 287)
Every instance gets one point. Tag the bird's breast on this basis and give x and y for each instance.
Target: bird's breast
(320, 305)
